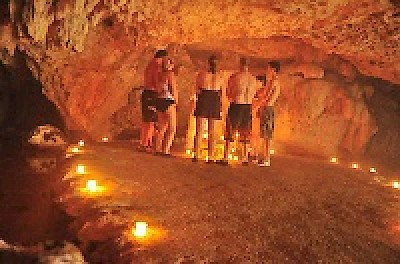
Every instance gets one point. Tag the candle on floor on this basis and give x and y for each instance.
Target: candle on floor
(140, 229)
(355, 165)
(372, 170)
(188, 152)
(81, 143)
(75, 150)
(334, 159)
(272, 151)
(91, 185)
(104, 139)
(80, 169)
(396, 185)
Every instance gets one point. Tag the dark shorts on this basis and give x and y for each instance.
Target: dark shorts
(267, 122)
(239, 120)
(148, 101)
(208, 104)
(162, 104)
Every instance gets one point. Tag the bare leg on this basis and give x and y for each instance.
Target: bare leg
(245, 157)
(268, 148)
(144, 133)
(150, 135)
(197, 138)
(211, 139)
(161, 131)
(171, 116)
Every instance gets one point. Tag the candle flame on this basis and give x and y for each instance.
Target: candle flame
(75, 150)
(396, 185)
(372, 170)
(81, 143)
(272, 151)
(355, 165)
(80, 169)
(91, 185)
(140, 229)
(334, 159)
(105, 139)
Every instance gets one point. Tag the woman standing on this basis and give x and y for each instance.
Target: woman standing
(166, 108)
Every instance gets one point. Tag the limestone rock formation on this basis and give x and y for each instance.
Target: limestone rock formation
(90, 55)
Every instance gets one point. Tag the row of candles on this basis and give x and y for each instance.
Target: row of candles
(356, 166)
(235, 149)
(141, 229)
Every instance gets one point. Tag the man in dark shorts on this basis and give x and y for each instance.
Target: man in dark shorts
(263, 106)
(242, 87)
(148, 100)
(209, 92)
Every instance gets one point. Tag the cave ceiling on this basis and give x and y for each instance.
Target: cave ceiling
(363, 32)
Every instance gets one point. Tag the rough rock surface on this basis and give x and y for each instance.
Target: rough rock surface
(88, 55)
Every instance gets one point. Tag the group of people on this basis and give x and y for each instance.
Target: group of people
(247, 101)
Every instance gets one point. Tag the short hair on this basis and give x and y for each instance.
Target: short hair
(275, 65)
(212, 59)
(160, 53)
(244, 61)
(262, 78)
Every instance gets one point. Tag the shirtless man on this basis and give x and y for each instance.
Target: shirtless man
(209, 92)
(148, 98)
(263, 107)
(242, 87)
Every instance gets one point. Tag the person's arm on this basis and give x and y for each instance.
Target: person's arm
(230, 87)
(199, 82)
(275, 95)
(174, 87)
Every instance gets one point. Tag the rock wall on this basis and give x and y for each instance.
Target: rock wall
(89, 55)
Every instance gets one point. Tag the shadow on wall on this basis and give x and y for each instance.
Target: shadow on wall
(385, 106)
(23, 106)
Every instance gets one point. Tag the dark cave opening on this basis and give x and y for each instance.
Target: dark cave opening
(23, 106)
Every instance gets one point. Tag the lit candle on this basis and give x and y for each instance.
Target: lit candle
(235, 158)
(188, 152)
(75, 150)
(207, 158)
(355, 165)
(140, 229)
(237, 134)
(396, 185)
(230, 156)
(205, 135)
(222, 138)
(334, 159)
(372, 170)
(105, 139)
(81, 143)
(272, 151)
(80, 169)
(91, 185)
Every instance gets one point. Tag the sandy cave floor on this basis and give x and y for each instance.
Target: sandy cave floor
(297, 211)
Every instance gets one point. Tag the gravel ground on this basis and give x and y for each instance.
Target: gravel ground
(296, 211)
